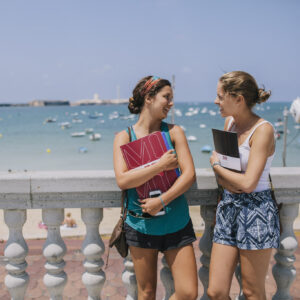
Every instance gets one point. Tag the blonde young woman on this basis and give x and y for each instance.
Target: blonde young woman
(247, 221)
(173, 232)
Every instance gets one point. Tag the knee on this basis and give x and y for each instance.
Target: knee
(216, 294)
(191, 294)
(147, 294)
(251, 293)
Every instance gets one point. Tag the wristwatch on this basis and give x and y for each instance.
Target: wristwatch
(216, 163)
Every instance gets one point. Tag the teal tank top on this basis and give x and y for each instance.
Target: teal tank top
(177, 212)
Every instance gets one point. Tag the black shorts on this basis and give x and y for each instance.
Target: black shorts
(162, 243)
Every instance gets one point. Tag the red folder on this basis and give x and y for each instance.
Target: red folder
(145, 152)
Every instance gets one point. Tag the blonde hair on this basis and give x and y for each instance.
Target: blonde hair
(242, 83)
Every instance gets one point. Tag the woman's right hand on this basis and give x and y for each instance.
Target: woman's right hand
(168, 161)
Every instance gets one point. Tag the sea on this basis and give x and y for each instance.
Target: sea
(40, 138)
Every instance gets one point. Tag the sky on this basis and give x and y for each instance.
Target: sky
(71, 49)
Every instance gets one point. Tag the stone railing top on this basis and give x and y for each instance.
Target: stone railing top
(55, 189)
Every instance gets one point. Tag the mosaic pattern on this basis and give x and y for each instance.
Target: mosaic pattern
(247, 221)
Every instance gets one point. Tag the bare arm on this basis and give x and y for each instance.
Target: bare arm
(133, 178)
(261, 147)
(186, 164)
(183, 182)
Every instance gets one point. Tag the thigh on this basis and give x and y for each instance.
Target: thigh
(223, 262)
(254, 267)
(183, 266)
(145, 266)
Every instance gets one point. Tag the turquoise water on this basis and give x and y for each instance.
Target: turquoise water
(26, 137)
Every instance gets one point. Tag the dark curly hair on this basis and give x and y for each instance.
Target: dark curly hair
(136, 102)
(242, 83)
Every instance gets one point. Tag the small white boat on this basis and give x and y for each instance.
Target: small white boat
(50, 120)
(189, 114)
(182, 127)
(204, 110)
(128, 117)
(206, 149)
(178, 112)
(65, 125)
(277, 124)
(202, 125)
(191, 138)
(192, 111)
(114, 115)
(212, 113)
(89, 130)
(78, 134)
(82, 150)
(95, 137)
(76, 121)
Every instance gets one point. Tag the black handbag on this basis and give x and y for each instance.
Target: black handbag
(118, 237)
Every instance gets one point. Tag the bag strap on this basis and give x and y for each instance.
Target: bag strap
(124, 192)
(279, 206)
(273, 193)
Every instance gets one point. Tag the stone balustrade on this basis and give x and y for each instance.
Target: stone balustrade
(94, 190)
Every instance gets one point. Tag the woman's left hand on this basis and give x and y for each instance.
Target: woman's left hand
(214, 158)
(151, 205)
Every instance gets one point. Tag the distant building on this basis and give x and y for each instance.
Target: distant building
(49, 102)
(97, 101)
(94, 101)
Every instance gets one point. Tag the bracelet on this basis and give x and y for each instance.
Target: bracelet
(162, 202)
(216, 163)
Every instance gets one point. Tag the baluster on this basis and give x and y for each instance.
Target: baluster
(93, 248)
(205, 245)
(16, 251)
(54, 250)
(129, 279)
(167, 279)
(283, 271)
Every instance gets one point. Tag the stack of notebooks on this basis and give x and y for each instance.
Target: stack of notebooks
(143, 153)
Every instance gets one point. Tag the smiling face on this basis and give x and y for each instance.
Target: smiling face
(162, 102)
(227, 103)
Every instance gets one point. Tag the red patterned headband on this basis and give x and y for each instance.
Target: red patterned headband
(149, 84)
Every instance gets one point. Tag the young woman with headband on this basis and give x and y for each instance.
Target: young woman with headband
(247, 220)
(171, 233)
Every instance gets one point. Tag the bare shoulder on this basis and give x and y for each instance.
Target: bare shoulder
(265, 128)
(264, 131)
(175, 131)
(122, 137)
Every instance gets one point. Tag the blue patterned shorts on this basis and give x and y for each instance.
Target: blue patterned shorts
(247, 221)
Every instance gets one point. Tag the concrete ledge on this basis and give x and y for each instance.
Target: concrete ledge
(79, 189)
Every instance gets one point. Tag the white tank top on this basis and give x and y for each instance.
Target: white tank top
(244, 150)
